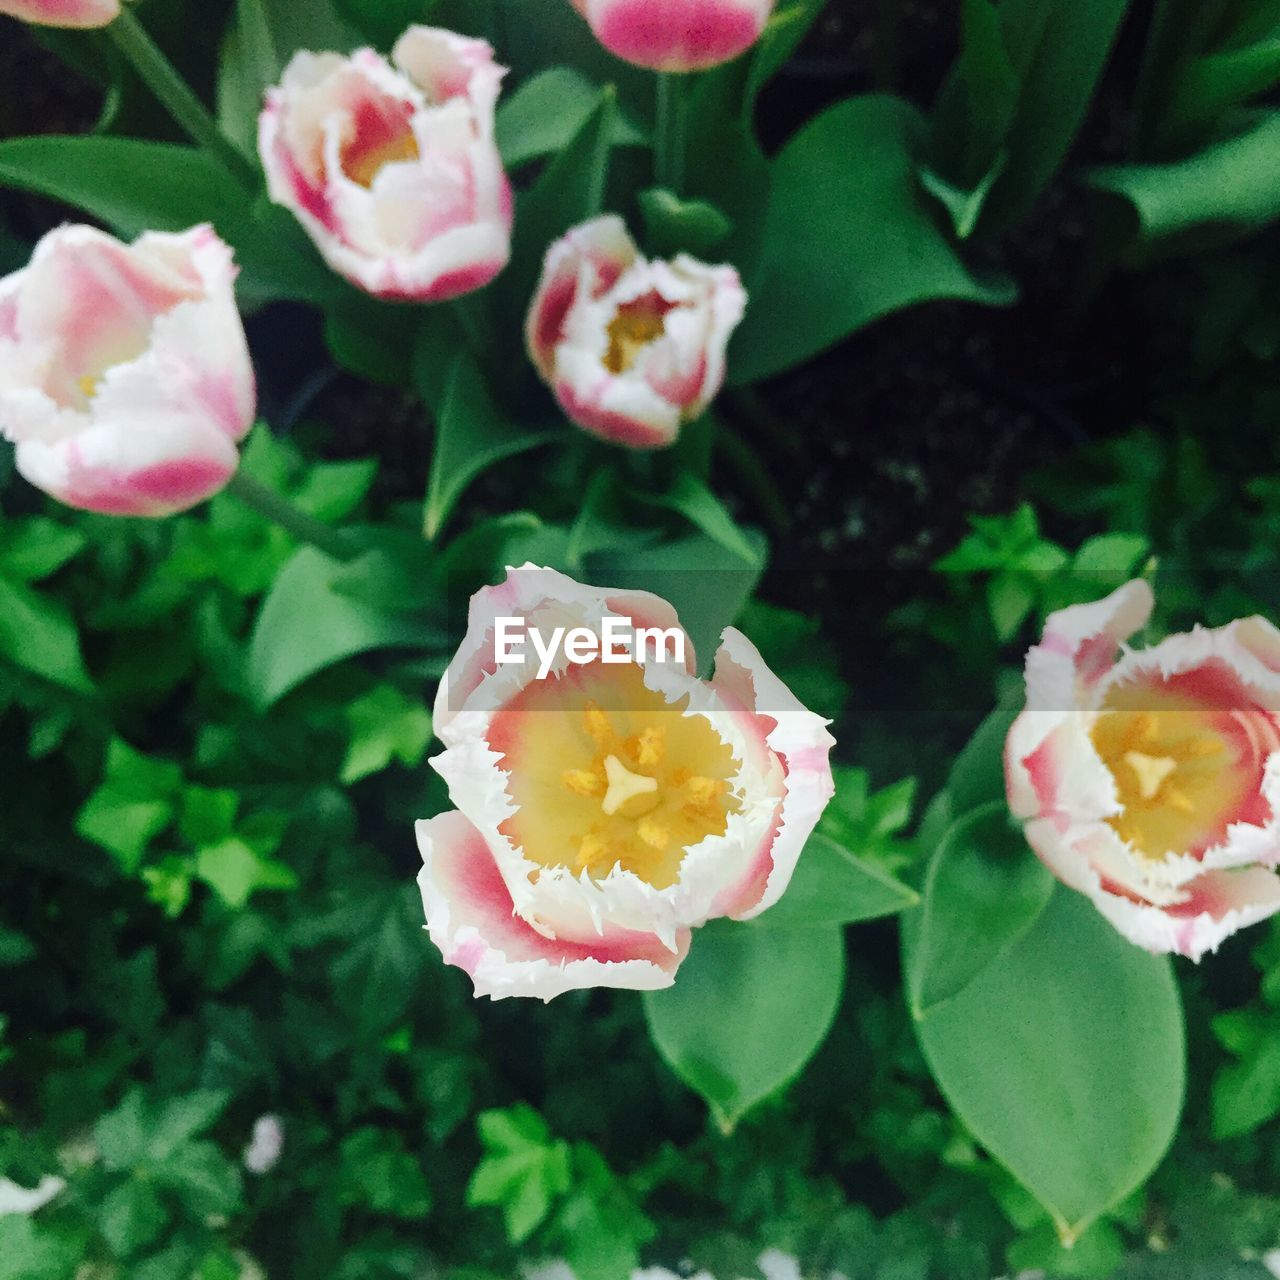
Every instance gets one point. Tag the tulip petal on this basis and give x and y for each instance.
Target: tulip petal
(677, 35)
(472, 921)
(82, 14)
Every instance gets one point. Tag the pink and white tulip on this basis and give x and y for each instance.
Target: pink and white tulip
(632, 349)
(1149, 779)
(125, 379)
(392, 168)
(63, 13)
(606, 810)
(676, 35)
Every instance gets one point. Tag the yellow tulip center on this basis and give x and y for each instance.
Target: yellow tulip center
(634, 786)
(364, 166)
(636, 325)
(1175, 773)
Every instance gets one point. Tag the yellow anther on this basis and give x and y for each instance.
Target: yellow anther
(652, 746)
(703, 791)
(597, 725)
(624, 785)
(591, 850)
(88, 386)
(1151, 771)
(1207, 744)
(1179, 800)
(583, 782)
(654, 834)
(363, 169)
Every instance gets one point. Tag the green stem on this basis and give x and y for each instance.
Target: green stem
(175, 95)
(669, 134)
(279, 510)
(755, 478)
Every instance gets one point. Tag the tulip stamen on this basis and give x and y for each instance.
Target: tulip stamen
(636, 326)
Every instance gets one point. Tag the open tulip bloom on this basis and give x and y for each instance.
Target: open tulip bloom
(607, 807)
(392, 168)
(63, 13)
(632, 349)
(125, 379)
(676, 35)
(1150, 780)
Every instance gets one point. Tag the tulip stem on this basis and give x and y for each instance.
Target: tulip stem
(175, 95)
(668, 139)
(279, 510)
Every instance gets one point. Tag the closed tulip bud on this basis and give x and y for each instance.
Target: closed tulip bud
(608, 800)
(676, 35)
(392, 168)
(125, 380)
(1149, 779)
(632, 349)
(63, 13)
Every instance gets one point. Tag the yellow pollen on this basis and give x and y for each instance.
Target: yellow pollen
(591, 851)
(703, 791)
(654, 834)
(597, 725)
(651, 747)
(89, 386)
(630, 332)
(364, 169)
(1151, 771)
(583, 782)
(624, 785)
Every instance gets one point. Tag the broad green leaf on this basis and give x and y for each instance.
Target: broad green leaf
(1059, 49)
(748, 1009)
(207, 1182)
(123, 825)
(692, 499)
(1215, 84)
(847, 243)
(36, 547)
(833, 886)
(983, 891)
(977, 776)
(472, 435)
(523, 1172)
(38, 635)
(545, 113)
(676, 226)
(569, 191)
(1065, 1058)
(1232, 187)
(707, 585)
(307, 624)
(137, 186)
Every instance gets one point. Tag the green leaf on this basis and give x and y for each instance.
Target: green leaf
(673, 225)
(813, 290)
(136, 186)
(548, 110)
(377, 1173)
(122, 825)
(15, 948)
(234, 870)
(1218, 82)
(1065, 1058)
(36, 547)
(39, 635)
(833, 886)
(1229, 188)
(385, 725)
(131, 1217)
(984, 890)
(524, 1171)
(307, 624)
(207, 814)
(749, 1008)
(473, 435)
(707, 585)
(977, 776)
(692, 499)
(1246, 1094)
(1059, 49)
(569, 191)
(208, 1183)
